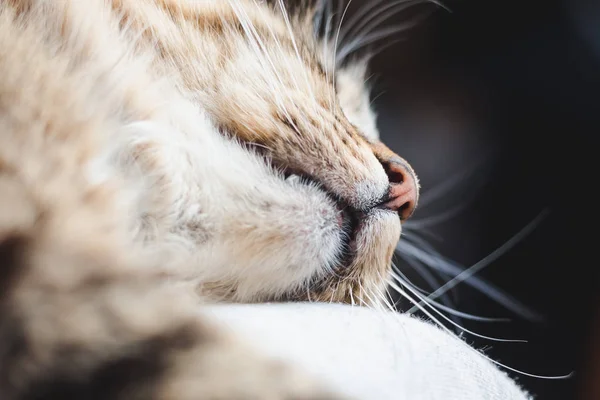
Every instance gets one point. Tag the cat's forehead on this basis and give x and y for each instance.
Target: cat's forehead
(291, 51)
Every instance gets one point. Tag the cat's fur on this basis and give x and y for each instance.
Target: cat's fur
(159, 153)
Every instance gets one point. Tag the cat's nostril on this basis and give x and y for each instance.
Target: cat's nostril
(404, 188)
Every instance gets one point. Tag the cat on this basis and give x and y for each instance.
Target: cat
(160, 154)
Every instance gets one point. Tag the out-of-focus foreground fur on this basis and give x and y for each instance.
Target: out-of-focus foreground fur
(155, 154)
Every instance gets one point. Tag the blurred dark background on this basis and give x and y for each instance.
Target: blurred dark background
(509, 93)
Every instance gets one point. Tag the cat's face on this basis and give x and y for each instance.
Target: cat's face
(325, 221)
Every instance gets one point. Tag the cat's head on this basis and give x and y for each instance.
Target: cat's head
(324, 219)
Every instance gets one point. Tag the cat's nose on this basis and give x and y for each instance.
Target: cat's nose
(403, 193)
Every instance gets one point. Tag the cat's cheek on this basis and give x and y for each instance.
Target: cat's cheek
(268, 248)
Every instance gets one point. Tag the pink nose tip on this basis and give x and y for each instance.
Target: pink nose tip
(404, 188)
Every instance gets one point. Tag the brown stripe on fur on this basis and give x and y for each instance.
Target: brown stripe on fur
(207, 19)
(224, 19)
(11, 248)
(135, 374)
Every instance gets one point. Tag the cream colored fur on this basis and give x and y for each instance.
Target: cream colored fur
(212, 208)
(144, 131)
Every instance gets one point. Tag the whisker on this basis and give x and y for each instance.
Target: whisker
(414, 285)
(387, 297)
(319, 17)
(351, 298)
(293, 38)
(331, 298)
(360, 15)
(261, 51)
(366, 40)
(290, 120)
(548, 377)
(336, 40)
(444, 216)
(381, 294)
(339, 12)
(376, 97)
(374, 304)
(365, 18)
(453, 182)
(371, 17)
(388, 300)
(308, 292)
(452, 269)
(484, 262)
(372, 53)
(361, 298)
(465, 315)
(427, 276)
(421, 306)
(413, 239)
(443, 307)
(326, 14)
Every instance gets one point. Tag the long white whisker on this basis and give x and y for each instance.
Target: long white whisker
(319, 17)
(384, 294)
(339, 12)
(372, 53)
(437, 219)
(293, 38)
(383, 91)
(361, 297)
(336, 40)
(427, 276)
(415, 238)
(422, 269)
(365, 19)
(374, 304)
(433, 283)
(406, 249)
(308, 287)
(260, 49)
(329, 61)
(465, 315)
(445, 308)
(331, 298)
(425, 270)
(421, 308)
(484, 262)
(277, 42)
(388, 299)
(421, 304)
(361, 15)
(366, 40)
(329, 21)
(280, 48)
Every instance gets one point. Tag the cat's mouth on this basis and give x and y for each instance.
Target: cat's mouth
(348, 219)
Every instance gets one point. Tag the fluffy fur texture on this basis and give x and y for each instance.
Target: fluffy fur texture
(158, 153)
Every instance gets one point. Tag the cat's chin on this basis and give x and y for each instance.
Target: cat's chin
(363, 271)
(373, 244)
